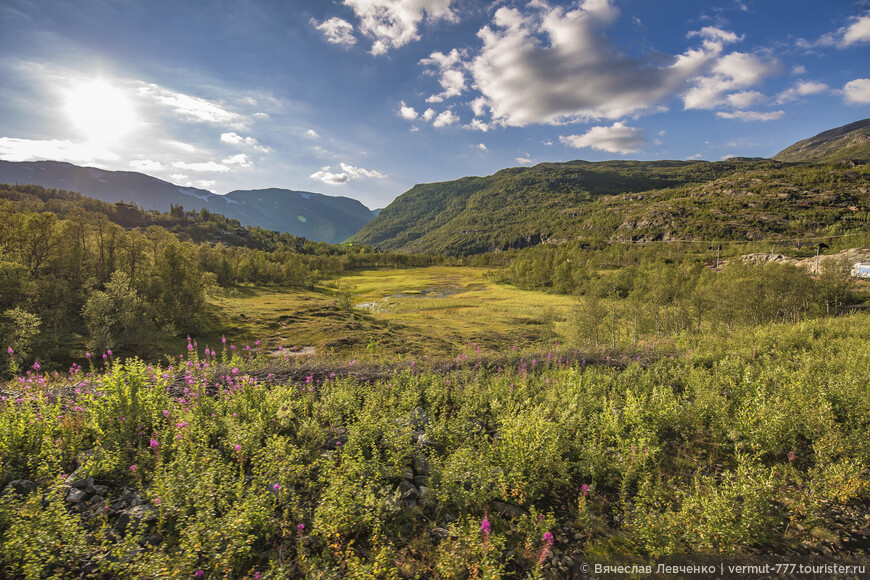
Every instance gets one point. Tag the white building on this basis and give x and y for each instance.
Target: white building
(861, 270)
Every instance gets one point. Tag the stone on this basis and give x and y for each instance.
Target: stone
(20, 487)
(504, 509)
(82, 482)
(421, 465)
(77, 495)
(420, 480)
(407, 490)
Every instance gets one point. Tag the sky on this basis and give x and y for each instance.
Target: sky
(365, 98)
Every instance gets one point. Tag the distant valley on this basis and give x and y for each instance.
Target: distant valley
(314, 216)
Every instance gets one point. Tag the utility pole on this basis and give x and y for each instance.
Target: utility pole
(818, 248)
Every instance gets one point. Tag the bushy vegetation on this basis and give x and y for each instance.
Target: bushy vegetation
(88, 275)
(515, 466)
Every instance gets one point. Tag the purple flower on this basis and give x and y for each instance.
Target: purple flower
(199, 574)
(585, 489)
(36, 366)
(548, 537)
(224, 339)
(10, 351)
(485, 527)
(109, 352)
(133, 468)
(87, 355)
(153, 443)
(237, 447)
(300, 527)
(276, 487)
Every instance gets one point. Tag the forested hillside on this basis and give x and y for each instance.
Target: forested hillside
(738, 199)
(80, 274)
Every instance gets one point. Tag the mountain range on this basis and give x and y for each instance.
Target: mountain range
(311, 215)
(816, 187)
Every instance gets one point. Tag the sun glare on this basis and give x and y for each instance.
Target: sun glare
(101, 112)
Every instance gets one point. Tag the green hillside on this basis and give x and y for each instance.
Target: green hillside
(848, 142)
(622, 201)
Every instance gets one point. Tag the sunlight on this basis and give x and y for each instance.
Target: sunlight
(101, 112)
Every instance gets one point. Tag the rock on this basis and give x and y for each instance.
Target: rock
(409, 504)
(421, 480)
(131, 519)
(421, 465)
(408, 474)
(82, 483)
(504, 509)
(425, 493)
(407, 490)
(20, 487)
(154, 539)
(418, 419)
(77, 495)
(98, 489)
(86, 456)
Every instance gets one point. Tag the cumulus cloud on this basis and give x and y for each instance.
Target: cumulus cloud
(745, 99)
(241, 160)
(524, 160)
(617, 138)
(551, 65)
(192, 108)
(452, 78)
(236, 139)
(204, 166)
(393, 23)
(14, 149)
(445, 118)
(146, 165)
(857, 92)
(312, 134)
(344, 174)
(482, 147)
(801, 89)
(751, 115)
(857, 32)
(428, 114)
(732, 72)
(406, 112)
(336, 31)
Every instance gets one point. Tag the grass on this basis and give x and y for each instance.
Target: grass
(419, 311)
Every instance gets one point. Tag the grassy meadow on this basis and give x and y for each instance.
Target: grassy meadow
(410, 311)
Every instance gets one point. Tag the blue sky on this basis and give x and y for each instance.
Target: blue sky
(365, 98)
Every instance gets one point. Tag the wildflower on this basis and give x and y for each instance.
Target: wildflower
(223, 340)
(485, 527)
(165, 413)
(199, 574)
(133, 468)
(10, 351)
(153, 444)
(300, 527)
(36, 366)
(791, 456)
(585, 489)
(88, 355)
(276, 487)
(109, 352)
(237, 447)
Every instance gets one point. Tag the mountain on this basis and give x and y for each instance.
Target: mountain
(737, 199)
(311, 215)
(850, 141)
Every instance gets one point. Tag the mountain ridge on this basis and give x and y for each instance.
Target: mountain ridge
(324, 218)
(848, 142)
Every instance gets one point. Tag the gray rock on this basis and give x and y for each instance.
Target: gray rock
(77, 495)
(407, 490)
(408, 474)
(409, 504)
(82, 482)
(421, 465)
(425, 493)
(418, 419)
(420, 480)
(99, 490)
(504, 509)
(21, 487)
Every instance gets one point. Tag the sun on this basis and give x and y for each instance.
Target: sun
(102, 113)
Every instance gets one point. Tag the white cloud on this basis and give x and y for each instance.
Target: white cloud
(13, 149)
(552, 66)
(482, 147)
(178, 176)
(745, 99)
(478, 125)
(802, 89)
(186, 147)
(407, 112)
(241, 160)
(348, 172)
(393, 23)
(146, 165)
(617, 138)
(445, 118)
(751, 115)
(236, 139)
(336, 31)
(452, 77)
(192, 108)
(858, 32)
(731, 72)
(694, 157)
(205, 183)
(312, 134)
(857, 92)
(205, 166)
(428, 114)
(727, 157)
(524, 160)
